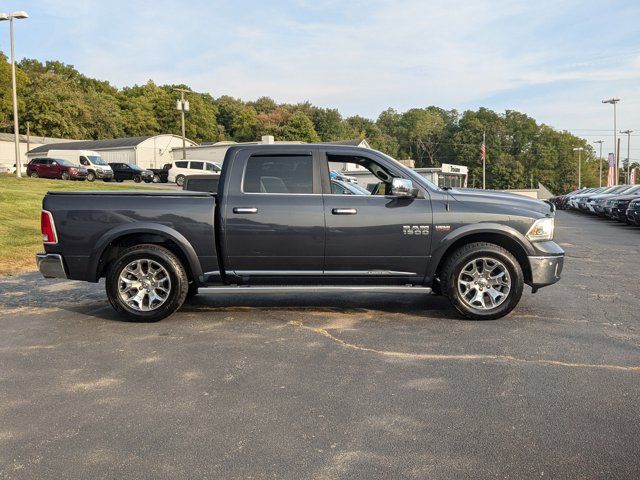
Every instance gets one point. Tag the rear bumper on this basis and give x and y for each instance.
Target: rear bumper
(545, 270)
(51, 265)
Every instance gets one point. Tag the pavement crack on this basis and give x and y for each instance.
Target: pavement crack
(462, 357)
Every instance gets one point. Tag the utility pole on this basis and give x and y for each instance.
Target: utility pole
(628, 133)
(613, 101)
(617, 157)
(484, 160)
(183, 106)
(600, 142)
(16, 130)
(579, 150)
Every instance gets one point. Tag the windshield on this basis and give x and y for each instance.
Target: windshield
(96, 160)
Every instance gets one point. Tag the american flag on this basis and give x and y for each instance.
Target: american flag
(483, 151)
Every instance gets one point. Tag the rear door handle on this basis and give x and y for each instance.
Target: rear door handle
(245, 210)
(344, 211)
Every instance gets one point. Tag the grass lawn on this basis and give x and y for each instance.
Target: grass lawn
(20, 204)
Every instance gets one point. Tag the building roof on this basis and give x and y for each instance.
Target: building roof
(8, 137)
(96, 144)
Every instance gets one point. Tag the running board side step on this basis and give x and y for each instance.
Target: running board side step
(285, 289)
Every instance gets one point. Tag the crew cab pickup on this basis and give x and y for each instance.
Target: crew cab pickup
(274, 225)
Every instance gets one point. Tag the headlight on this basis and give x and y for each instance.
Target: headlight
(99, 170)
(542, 229)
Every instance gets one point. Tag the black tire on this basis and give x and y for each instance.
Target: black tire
(147, 180)
(91, 176)
(178, 277)
(64, 175)
(461, 258)
(156, 178)
(137, 178)
(34, 174)
(180, 180)
(119, 180)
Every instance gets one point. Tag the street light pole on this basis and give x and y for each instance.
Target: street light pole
(16, 130)
(600, 142)
(628, 133)
(579, 150)
(614, 101)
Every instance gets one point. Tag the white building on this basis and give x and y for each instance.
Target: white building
(215, 152)
(7, 148)
(151, 151)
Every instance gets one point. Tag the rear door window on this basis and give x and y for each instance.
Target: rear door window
(279, 174)
(196, 165)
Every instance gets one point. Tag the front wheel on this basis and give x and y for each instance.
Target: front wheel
(146, 283)
(65, 175)
(137, 178)
(91, 177)
(483, 281)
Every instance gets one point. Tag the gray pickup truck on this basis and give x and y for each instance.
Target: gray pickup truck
(279, 223)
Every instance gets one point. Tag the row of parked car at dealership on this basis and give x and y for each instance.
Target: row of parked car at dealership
(620, 202)
(89, 165)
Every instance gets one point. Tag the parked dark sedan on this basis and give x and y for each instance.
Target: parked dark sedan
(616, 207)
(633, 212)
(130, 171)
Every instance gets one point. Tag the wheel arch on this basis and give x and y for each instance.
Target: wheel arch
(119, 238)
(502, 235)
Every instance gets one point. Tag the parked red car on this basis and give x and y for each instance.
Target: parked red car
(55, 168)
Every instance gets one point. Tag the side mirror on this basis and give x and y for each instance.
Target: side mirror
(401, 187)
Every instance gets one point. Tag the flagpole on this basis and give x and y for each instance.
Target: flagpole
(484, 160)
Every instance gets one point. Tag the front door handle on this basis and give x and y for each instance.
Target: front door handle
(245, 210)
(344, 211)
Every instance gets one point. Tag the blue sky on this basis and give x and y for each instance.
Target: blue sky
(554, 60)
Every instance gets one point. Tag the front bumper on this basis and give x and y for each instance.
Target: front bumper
(545, 270)
(51, 265)
(104, 174)
(633, 215)
(619, 213)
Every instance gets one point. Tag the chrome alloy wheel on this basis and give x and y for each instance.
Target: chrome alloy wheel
(484, 283)
(144, 285)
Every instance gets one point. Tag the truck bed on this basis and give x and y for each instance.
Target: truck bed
(89, 222)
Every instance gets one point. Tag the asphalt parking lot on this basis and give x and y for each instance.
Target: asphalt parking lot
(357, 386)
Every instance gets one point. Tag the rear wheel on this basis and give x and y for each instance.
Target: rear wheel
(146, 283)
(483, 281)
(34, 174)
(156, 178)
(91, 176)
(180, 180)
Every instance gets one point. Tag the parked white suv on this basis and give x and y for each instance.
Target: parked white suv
(182, 168)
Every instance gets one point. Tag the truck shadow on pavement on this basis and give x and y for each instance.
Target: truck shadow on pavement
(431, 307)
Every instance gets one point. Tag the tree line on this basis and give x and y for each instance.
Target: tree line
(59, 101)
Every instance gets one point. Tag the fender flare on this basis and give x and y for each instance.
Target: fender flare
(144, 227)
(474, 229)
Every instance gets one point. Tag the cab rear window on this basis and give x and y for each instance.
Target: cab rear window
(279, 174)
